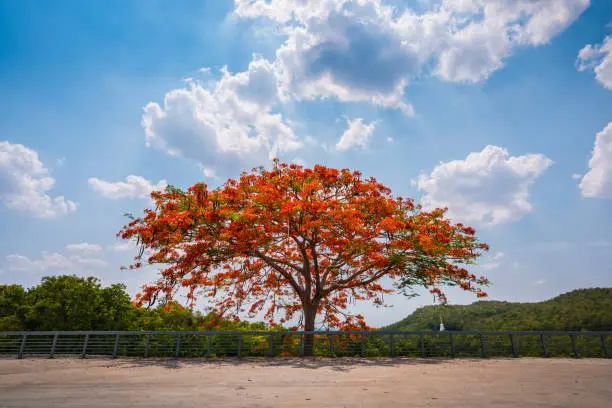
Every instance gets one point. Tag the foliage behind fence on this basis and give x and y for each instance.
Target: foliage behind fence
(290, 344)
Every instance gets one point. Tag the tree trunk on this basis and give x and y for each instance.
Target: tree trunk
(309, 326)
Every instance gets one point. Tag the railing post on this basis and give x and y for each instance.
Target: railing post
(483, 349)
(147, 342)
(239, 344)
(331, 345)
(178, 344)
(513, 343)
(574, 348)
(301, 345)
(543, 341)
(53, 345)
(24, 338)
(270, 345)
(208, 346)
(362, 350)
(85, 344)
(392, 345)
(116, 345)
(452, 344)
(422, 338)
(604, 345)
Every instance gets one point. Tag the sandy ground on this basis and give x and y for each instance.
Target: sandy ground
(68, 382)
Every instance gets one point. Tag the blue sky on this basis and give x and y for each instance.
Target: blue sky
(497, 109)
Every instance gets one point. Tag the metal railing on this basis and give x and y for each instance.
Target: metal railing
(291, 344)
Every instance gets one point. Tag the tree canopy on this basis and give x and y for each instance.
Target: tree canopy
(294, 239)
(64, 303)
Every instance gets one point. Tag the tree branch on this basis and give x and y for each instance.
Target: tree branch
(274, 264)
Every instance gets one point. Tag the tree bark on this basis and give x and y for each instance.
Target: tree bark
(310, 315)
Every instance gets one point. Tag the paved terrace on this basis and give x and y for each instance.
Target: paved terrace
(305, 382)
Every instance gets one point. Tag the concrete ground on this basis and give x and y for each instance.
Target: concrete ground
(100, 382)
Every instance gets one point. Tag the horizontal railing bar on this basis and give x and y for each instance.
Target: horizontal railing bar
(294, 333)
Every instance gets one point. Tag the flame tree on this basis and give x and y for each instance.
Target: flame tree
(294, 239)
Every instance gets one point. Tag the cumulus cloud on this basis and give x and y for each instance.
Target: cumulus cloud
(208, 172)
(597, 182)
(488, 187)
(24, 183)
(356, 135)
(599, 59)
(347, 58)
(299, 162)
(84, 247)
(232, 122)
(494, 261)
(54, 263)
(349, 50)
(569, 245)
(123, 247)
(367, 50)
(484, 33)
(132, 187)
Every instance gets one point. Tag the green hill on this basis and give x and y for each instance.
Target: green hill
(582, 309)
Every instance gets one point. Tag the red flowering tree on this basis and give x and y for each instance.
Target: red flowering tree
(296, 239)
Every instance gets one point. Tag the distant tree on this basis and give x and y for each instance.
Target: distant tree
(12, 307)
(296, 239)
(74, 303)
(166, 317)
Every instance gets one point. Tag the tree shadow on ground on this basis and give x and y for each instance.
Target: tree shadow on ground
(336, 364)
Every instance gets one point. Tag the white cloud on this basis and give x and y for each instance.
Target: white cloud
(539, 282)
(299, 162)
(132, 187)
(351, 55)
(123, 247)
(53, 263)
(24, 182)
(365, 50)
(356, 134)
(568, 245)
(484, 33)
(598, 181)
(487, 187)
(599, 59)
(494, 261)
(84, 247)
(208, 172)
(349, 50)
(599, 244)
(232, 123)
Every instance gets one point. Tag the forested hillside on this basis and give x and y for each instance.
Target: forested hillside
(582, 309)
